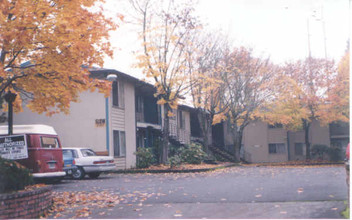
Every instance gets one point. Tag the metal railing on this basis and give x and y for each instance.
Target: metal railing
(181, 135)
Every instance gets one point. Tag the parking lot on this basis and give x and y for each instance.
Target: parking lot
(237, 192)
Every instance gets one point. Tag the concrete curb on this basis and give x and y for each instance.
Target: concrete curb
(284, 165)
(131, 171)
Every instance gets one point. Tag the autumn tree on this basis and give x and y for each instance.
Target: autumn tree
(305, 88)
(248, 82)
(165, 31)
(43, 47)
(205, 55)
(337, 107)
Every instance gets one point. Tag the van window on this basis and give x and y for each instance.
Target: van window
(49, 142)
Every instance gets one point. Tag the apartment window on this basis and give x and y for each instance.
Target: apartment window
(181, 119)
(299, 149)
(139, 104)
(276, 125)
(278, 148)
(118, 94)
(119, 143)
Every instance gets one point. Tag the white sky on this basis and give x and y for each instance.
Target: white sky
(275, 28)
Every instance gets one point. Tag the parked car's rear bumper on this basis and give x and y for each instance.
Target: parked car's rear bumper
(49, 174)
(99, 168)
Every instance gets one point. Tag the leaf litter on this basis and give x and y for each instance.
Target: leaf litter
(80, 204)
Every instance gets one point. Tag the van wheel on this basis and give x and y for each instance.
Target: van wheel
(94, 175)
(78, 174)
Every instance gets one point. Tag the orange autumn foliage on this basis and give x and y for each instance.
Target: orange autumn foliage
(45, 44)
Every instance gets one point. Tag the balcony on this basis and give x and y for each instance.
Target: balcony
(181, 135)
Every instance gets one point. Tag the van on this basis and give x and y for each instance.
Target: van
(36, 147)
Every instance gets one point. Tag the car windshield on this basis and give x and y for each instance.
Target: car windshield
(67, 154)
(87, 153)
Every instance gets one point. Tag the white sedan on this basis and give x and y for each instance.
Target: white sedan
(89, 163)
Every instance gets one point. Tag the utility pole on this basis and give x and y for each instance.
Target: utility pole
(10, 98)
(309, 51)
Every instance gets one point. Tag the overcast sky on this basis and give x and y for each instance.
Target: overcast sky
(275, 28)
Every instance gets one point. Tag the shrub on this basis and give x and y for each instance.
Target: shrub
(145, 157)
(192, 154)
(174, 150)
(156, 150)
(175, 161)
(319, 151)
(13, 176)
(334, 154)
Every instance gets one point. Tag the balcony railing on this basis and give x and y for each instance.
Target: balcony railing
(181, 135)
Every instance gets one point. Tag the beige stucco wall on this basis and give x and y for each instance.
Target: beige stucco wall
(317, 135)
(256, 140)
(228, 135)
(257, 137)
(76, 129)
(296, 137)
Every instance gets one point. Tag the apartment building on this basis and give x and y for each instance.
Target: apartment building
(116, 125)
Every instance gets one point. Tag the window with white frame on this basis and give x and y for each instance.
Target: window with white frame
(277, 148)
(118, 94)
(181, 119)
(119, 143)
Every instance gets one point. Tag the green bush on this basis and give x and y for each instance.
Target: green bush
(13, 176)
(145, 157)
(319, 151)
(192, 154)
(334, 154)
(157, 151)
(174, 150)
(175, 161)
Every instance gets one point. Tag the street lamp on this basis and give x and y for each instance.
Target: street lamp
(10, 98)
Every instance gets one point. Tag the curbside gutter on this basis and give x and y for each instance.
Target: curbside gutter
(289, 165)
(131, 171)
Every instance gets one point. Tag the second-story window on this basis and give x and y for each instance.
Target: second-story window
(139, 104)
(181, 120)
(118, 94)
(276, 125)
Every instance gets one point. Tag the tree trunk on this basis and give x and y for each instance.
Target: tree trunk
(237, 140)
(205, 127)
(306, 126)
(165, 136)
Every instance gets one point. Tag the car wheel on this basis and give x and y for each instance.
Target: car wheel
(94, 175)
(78, 174)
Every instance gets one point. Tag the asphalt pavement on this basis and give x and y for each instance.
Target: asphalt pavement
(235, 193)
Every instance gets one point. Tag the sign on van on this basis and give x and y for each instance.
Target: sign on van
(13, 147)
